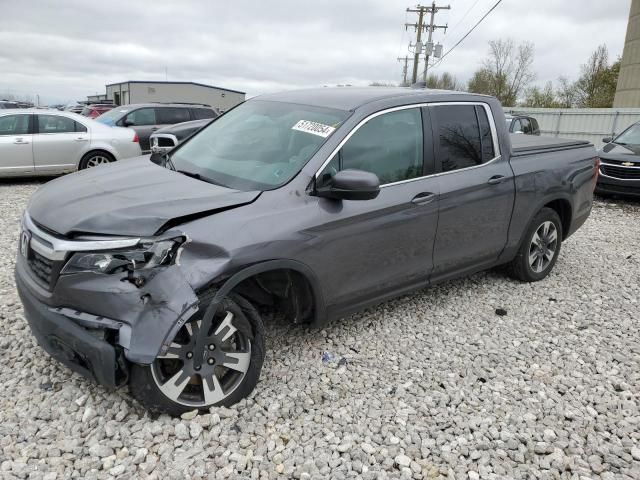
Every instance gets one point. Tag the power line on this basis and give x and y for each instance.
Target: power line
(452, 29)
(468, 33)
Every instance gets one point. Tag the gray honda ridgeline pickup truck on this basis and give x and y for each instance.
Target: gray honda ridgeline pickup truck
(159, 272)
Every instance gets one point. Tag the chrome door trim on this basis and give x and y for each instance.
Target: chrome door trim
(487, 108)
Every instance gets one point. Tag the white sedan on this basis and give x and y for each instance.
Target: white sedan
(50, 142)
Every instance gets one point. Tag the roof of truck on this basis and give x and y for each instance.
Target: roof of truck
(350, 98)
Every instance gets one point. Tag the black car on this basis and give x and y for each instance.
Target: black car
(522, 124)
(146, 118)
(164, 139)
(620, 164)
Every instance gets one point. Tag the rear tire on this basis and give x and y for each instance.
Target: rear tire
(227, 373)
(94, 159)
(540, 248)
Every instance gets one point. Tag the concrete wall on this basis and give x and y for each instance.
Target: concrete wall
(223, 100)
(590, 124)
(628, 91)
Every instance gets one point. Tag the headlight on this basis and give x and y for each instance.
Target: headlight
(145, 255)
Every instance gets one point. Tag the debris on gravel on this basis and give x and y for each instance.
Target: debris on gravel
(436, 384)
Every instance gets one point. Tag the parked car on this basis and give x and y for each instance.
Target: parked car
(51, 142)
(74, 107)
(146, 118)
(315, 203)
(522, 124)
(96, 109)
(164, 139)
(620, 164)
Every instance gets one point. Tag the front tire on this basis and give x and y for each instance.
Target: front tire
(221, 374)
(540, 248)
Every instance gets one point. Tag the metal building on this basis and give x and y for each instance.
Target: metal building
(628, 90)
(135, 91)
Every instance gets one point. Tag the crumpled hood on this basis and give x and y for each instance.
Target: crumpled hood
(130, 197)
(623, 153)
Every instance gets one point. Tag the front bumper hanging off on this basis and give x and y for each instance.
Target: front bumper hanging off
(71, 344)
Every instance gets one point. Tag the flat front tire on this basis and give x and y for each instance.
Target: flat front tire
(540, 248)
(205, 366)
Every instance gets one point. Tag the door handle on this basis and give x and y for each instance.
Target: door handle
(154, 129)
(423, 198)
(496, 179)
(81, 139)
(20, 141)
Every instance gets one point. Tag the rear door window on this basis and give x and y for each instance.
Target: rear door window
(457, 137)
(14, 125)
(171, 115)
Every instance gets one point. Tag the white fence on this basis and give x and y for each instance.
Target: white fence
(581, 123)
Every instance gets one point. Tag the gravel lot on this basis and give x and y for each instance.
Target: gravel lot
(434, 384)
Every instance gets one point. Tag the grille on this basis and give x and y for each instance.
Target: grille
(41, 267)
(623, 173)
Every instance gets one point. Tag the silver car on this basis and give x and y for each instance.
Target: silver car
(51, 142)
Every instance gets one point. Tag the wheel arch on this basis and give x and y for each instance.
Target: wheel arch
(298, 273)
(97, 149)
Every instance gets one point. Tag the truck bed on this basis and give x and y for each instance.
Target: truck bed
(530, 144)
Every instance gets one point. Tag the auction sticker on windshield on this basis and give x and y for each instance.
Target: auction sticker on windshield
(314, 128)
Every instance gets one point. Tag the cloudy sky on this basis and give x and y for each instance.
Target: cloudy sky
(67, 49)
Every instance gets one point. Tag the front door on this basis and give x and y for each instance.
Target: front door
(476, 189)
(143, 121)
(16, 144)
(58, 143)
(368, 249)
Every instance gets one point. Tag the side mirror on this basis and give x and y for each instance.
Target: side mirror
(607, 140)
(128, 123)
(351, 185)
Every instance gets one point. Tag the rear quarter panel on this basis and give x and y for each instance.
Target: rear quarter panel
(541, 178)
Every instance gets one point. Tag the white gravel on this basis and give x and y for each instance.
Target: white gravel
(431, 385)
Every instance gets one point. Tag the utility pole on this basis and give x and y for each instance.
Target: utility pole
(419, 27)
(434, 9)
(404, 59)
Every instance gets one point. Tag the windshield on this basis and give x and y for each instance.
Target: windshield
(259, 145)
(112, 116)
(631, 136)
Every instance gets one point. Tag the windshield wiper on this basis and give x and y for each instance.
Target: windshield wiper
(197, 176)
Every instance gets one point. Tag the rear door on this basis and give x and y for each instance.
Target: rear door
(476, 189)
(379, 246)
(16, 143)
(58, 142)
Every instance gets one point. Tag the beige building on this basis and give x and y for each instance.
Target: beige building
(628, 91)
(173, 92)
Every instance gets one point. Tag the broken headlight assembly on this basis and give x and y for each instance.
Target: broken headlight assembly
(146, 255)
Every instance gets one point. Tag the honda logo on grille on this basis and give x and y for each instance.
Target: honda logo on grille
(24, 243)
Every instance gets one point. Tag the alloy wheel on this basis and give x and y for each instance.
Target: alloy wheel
(544, 244)
(96, 160)
(202, 368)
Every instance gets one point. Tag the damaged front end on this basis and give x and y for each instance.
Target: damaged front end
(97, 303)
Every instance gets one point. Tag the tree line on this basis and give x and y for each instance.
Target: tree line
(507, 73)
